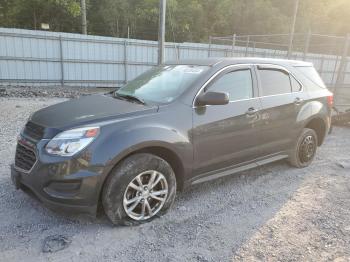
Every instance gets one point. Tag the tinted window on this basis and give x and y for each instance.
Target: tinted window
(296, 87)
(311, 73)
(238, 84)
(274, 82)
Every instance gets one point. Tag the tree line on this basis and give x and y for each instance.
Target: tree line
(186, 20)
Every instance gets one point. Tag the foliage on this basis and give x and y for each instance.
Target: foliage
(187, 20)
(62, 15)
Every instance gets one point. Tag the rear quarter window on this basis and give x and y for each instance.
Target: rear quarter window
(296, 86)
(311, 74)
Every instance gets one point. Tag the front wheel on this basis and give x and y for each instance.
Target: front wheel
(140, 188)
(304, 150)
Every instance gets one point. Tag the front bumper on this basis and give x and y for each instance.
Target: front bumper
(55, 204)
(61, 184)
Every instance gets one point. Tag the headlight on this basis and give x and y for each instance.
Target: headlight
(72, 141)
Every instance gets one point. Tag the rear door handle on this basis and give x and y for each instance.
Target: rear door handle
(251, 111)
(298, 101)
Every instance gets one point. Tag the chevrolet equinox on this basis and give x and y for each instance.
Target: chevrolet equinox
(178, 124)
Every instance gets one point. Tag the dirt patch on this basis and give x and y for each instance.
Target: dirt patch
(313, 225)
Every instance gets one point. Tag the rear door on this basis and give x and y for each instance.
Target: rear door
(281, 99)
(227, 135)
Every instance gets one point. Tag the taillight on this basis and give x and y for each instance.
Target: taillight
(330, 100)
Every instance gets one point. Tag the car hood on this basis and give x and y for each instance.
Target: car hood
(88, 109)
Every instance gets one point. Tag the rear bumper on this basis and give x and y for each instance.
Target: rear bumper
(65, 195)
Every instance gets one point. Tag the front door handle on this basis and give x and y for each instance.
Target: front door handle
(298, 101)
(251, 111)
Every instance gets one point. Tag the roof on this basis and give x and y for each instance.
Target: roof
(238, 60)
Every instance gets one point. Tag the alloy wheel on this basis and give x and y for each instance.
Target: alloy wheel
(145, 195)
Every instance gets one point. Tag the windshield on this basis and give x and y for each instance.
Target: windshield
(162, 84)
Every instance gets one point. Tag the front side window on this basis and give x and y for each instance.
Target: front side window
(238, 84)
(274, 82)
(162, 84)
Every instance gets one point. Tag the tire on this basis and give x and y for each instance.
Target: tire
(304, 150)
(123, 186)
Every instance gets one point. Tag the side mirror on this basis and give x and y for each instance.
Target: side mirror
(212, 98)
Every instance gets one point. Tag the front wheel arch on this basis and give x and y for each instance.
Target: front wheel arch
(161, 151)
(172, 158)
(121, 175)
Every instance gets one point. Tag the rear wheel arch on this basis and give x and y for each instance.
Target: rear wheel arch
(319, 126)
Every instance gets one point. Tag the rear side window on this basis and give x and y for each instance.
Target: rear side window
(311, 73)
(238, 84)
(274, 82)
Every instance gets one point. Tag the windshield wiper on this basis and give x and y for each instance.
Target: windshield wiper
(130, 97)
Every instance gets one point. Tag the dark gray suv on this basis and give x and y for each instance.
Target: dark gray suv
(178, 124)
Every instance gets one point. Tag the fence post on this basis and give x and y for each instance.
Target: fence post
(125, 61)
(322, 64)
(342, 65)
(209, 47)
(178, 52)
(233, 44)
(274, 53)
(247, 46)
(61, 60)
(307, 44)
(334, 70)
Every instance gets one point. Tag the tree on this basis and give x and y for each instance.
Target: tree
(187, 20)
(60, 14)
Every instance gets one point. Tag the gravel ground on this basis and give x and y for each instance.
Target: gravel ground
(272, 213)
(56, 92)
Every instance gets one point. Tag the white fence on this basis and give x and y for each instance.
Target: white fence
(34, 58)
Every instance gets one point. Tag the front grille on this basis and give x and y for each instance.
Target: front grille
(34, 131)
(25, 157)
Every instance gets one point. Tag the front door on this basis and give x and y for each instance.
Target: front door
(228, 135)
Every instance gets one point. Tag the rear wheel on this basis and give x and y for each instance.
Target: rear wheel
(139, 189)
(305, 148)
